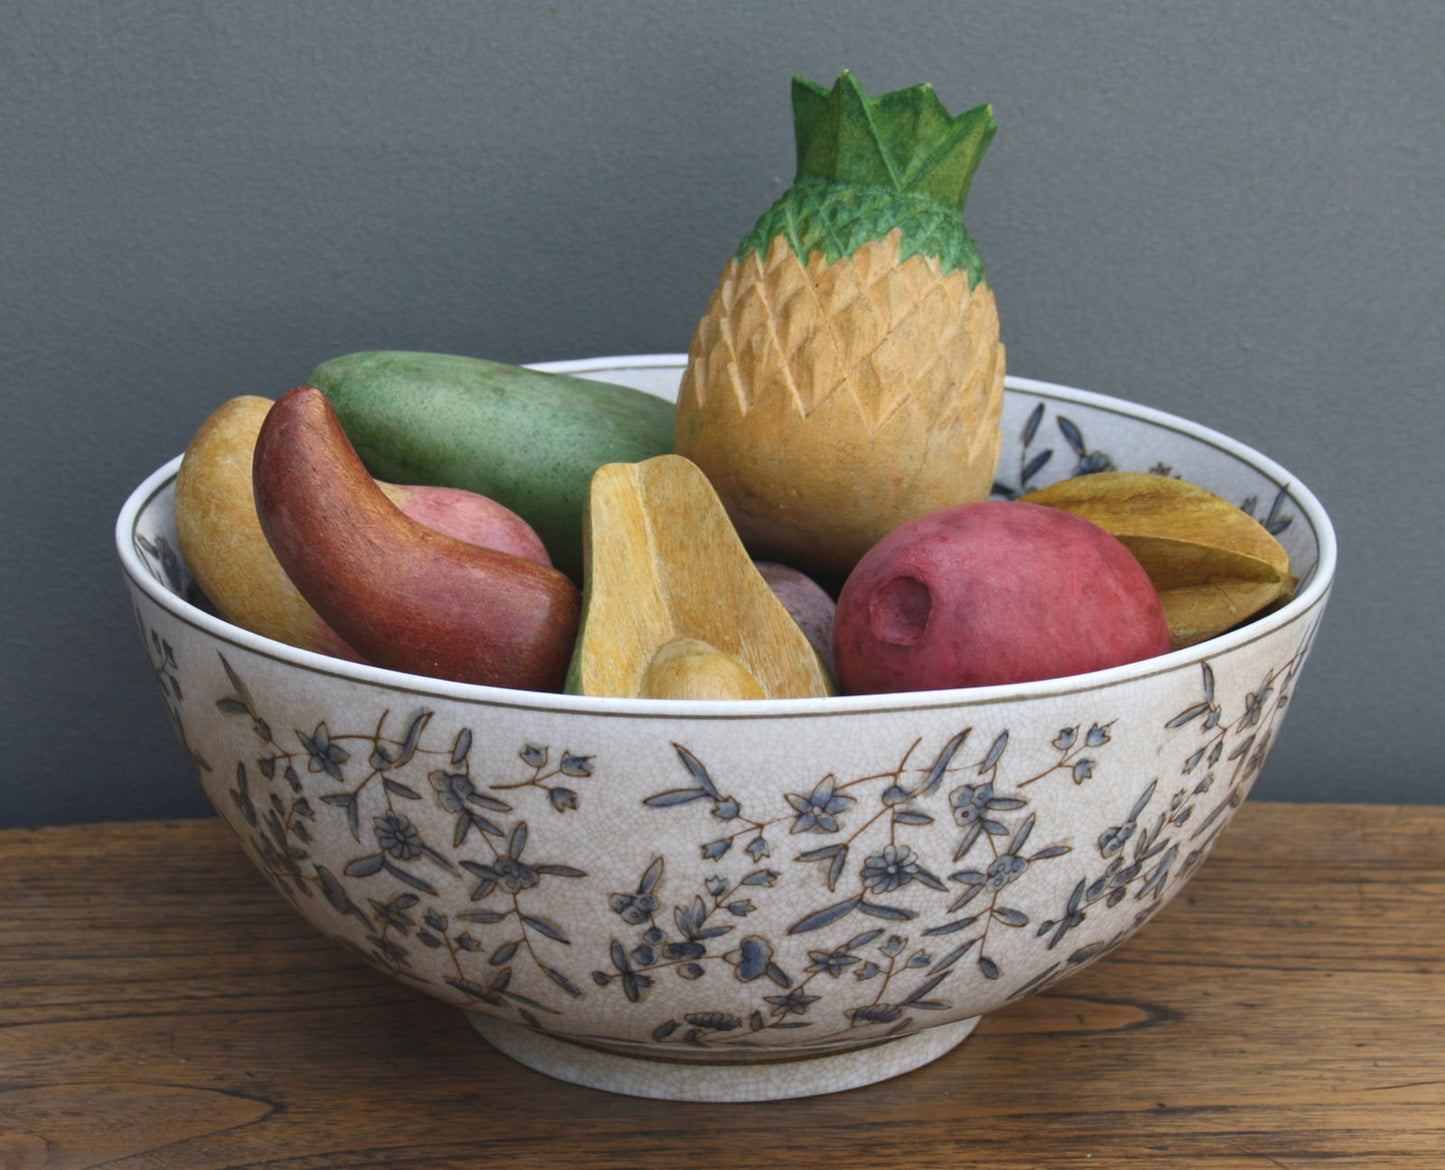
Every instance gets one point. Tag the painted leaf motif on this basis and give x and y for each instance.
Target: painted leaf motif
(1031, 428)
(952, 927)
(940, 765)
(675, 796)
(243, 692)
(365, 866)
(1036, 465)
(825, 917)
(461, 746)
(1188, 715)
(835, 855)
(403, 875)
(947, 962)
(893, 913)
(413, 738)
(698, 771)
(546, 926)
(1072, 435)
(927, 986)
(995, 752)
(563, 982)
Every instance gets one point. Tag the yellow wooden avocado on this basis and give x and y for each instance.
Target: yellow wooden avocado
(673, 606)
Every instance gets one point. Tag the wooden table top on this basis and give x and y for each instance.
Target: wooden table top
(161, 1008)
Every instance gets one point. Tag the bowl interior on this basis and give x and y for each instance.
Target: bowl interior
(1051, 432)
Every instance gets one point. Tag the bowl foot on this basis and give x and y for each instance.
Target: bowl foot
(762, 1077)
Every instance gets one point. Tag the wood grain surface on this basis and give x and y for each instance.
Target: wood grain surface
(666, 572)
(161, 1008)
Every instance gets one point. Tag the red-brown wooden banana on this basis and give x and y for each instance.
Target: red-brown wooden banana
(405, 597)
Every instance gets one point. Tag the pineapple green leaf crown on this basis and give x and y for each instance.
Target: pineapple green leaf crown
(905, 140)
(867, 165)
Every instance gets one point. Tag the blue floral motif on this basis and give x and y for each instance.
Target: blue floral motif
(975, 809)
(889, 922)
(880, 874)
(893, 869)
(1143, 854)
(833, 963)
(754, 960)
(1031, 463)
(818, 812)
(398, 837)
(573, 765)
(1276, 520)
(411, 914)
(1088, 461)
(507, 873)
(791, 1004)
(322, 754)
(164, 562)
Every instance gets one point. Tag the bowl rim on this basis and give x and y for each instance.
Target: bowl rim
(1315, 591)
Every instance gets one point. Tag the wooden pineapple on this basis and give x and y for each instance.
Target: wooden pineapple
(848, 374)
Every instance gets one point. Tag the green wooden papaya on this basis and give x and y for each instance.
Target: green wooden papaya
(527, 439)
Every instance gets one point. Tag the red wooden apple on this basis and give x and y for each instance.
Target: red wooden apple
(992, 592)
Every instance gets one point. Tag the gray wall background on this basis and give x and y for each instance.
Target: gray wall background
(1232, 211)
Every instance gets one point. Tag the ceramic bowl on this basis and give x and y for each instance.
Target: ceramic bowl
(741, 900)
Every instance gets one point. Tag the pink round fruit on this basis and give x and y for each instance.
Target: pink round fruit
(468, 516)
(992, 593)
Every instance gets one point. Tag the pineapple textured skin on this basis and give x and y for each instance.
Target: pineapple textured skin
(836, 219)
(829, 402)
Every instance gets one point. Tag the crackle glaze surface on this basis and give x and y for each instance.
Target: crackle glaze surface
(724, 883)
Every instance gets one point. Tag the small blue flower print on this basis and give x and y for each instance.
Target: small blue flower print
(754, 959)
(852, 848)
(1093, 461)
(634, 909)
(833, 963)
(794, 1003)
(398, 837)
(1003, 870)
(324, 755)
(818, 812)
(891, 869)
(511, 874)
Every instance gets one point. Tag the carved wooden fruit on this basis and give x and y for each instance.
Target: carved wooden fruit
(989, 593)
(674, 606)
(689, 668)
(1213, 564)
(404, 596)
(468, 516)
(810, 604)
(848, 374)
(525, 438)
(221, 538)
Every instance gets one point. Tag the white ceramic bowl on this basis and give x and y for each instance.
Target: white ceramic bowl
(741, 900)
